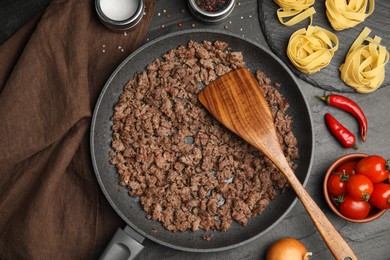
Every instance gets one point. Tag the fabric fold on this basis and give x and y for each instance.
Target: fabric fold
(52, 72)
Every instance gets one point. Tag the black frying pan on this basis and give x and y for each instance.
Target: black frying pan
(129, 209)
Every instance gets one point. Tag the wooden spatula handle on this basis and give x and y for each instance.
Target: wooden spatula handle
(336, 243)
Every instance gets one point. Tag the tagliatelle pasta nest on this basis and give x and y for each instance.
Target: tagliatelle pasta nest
(312, 49)
(364, 66)
(346, 14)
(297, 9)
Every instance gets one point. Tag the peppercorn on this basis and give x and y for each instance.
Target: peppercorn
(212, 5)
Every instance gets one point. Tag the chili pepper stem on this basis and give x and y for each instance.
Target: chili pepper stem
(322, 98)
(356, 147)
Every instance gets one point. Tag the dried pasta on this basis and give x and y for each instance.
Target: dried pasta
(364, 66)
(312, 49)
(346, 14)
(297, 9)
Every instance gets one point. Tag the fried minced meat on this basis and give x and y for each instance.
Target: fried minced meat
(187, 169)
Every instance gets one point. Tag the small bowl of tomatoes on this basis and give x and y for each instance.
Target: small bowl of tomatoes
(356, 187)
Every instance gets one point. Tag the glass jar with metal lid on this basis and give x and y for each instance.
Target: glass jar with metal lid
(120, 15)
(211, 11)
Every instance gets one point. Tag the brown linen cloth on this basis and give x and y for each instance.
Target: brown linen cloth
(51, 73)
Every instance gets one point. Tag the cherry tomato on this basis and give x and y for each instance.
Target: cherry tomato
(337, 184)
(374, 167)
(380, 197)
(360, 187)
(354, 209)
(348, 167)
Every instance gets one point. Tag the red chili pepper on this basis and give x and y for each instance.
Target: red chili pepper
(343, 135)
(351, 107)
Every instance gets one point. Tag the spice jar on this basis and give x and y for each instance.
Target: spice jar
(119, 15)
(211, 11)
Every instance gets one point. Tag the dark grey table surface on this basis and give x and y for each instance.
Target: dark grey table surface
(369, 240)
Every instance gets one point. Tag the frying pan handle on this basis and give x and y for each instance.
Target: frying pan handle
(124, 245)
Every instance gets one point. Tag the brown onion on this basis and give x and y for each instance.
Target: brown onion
(288, 248)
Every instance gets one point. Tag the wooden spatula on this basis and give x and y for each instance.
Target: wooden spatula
(237, 101)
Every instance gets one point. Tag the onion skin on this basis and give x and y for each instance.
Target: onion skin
(287, 248)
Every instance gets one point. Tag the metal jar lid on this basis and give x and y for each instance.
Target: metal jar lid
(120, 15)
(211, 17)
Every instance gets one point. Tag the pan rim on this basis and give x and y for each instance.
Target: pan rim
(92, 140)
